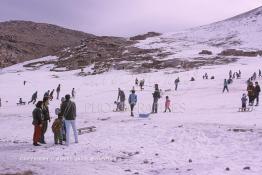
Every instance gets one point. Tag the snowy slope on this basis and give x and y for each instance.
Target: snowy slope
(199, 124)
(241, 32)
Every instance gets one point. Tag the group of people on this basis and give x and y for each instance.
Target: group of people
(66, 116)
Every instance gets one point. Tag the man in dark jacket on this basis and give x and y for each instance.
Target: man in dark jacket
(256, 92)
(122, 97)
(46, 118)
(156, 97)
(68, 110)
(58, 89)
(34, 97)
(37, 122)
(251, 93)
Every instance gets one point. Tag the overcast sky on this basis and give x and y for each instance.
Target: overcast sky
(124, 17)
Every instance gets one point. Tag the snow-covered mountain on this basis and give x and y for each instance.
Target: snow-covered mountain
(242, 32)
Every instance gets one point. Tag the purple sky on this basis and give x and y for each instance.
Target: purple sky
(124, 17)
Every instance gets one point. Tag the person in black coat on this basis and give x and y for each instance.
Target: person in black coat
(256, 92)
(37, 122)
(46, 118)
(156, 97)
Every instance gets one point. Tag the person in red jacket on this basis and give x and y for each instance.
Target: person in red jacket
(167, 104)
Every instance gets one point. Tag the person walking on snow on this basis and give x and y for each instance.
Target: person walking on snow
(167, 104)
(121, 96)
(33, 99)
(132, 101)
(58, 89)
(68, 110)
(225, 86)
(256, 93)
(37, 122)
(176, 83)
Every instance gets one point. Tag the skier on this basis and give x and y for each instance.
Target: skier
(176, 83)
(24, 83)
(250, 90)
(121, 96)
(33, 99)
(73, 93)
(156, 97)
(167, 104)
(244, 102)
(256, 93)
(192, 79)
(46, 118)
(37, 122)
(132, 101)
(259, 73)
(0, 102)
(225, 86)
(58, 91)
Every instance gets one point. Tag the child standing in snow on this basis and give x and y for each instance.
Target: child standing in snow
(57, 130)
(244, 102)
(167, 104)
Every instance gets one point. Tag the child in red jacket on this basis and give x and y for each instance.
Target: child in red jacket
(167, 104)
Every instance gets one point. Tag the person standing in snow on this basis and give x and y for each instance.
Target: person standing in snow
(225, 86)
(37, 122)
(0, 102)
(141, 84)
(256, 93)
(58, 91)
(176, 83)
(46, 118)
(51, 96)
(167, 104)
(244, 102)
(57, 130)
(230, 74)
(259, 73)
(156, 97)
(68, 110)
(73, 93)
(121, 96)
(33, 99)
(136, 81)
(132, 101)
(251, 93)
(254, 76)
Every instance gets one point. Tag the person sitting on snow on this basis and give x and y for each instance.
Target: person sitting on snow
(118, 106)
